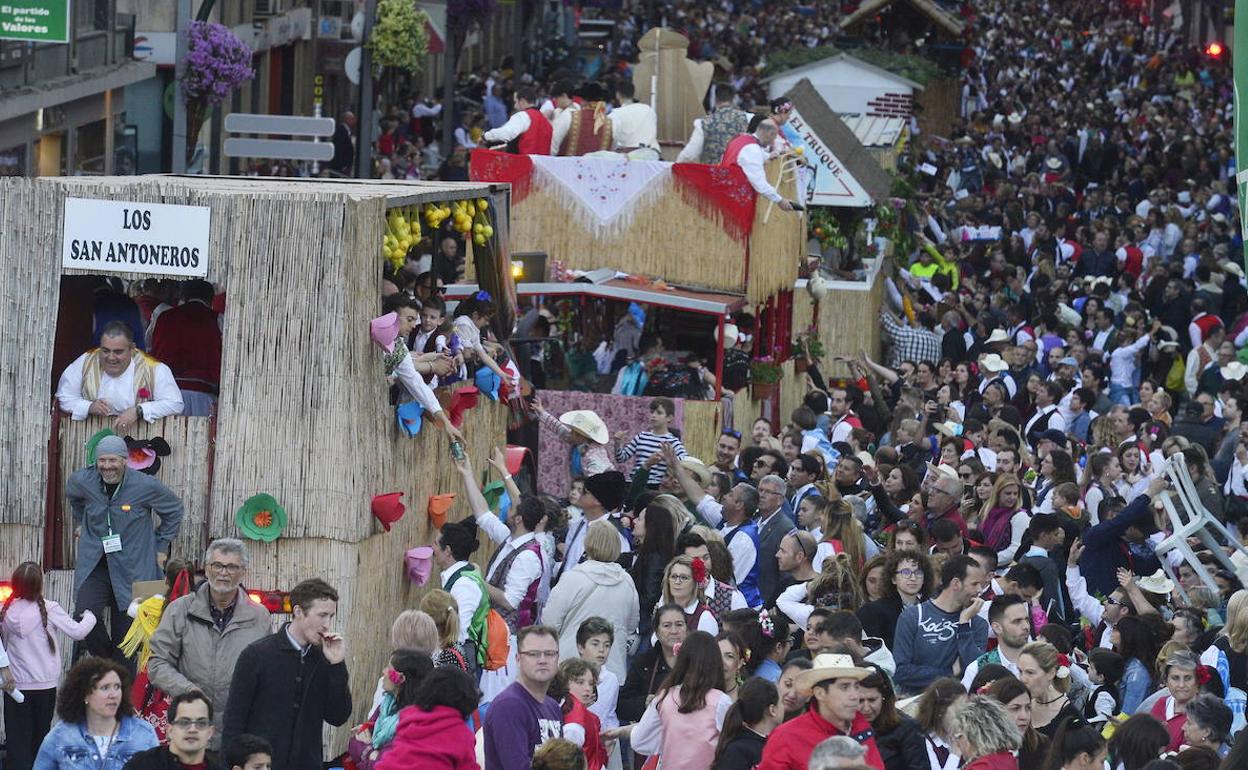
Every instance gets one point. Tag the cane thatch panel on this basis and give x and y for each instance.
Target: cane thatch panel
(28, 301)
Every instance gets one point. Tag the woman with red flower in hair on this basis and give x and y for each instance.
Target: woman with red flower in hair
(1045, 673)
(684, 584)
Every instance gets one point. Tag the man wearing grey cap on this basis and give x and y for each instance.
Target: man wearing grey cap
(117, 543)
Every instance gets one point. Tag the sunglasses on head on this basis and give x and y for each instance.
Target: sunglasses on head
(734, 433)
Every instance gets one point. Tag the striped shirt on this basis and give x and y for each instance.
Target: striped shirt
(645, 444)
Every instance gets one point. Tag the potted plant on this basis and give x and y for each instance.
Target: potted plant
(765, 376)
(807, 349)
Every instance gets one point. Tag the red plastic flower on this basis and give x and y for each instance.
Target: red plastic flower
(699, 571)
(145, 393)
(1202, 675)
(1063, 659)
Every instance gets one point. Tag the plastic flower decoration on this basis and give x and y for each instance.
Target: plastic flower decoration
(699, 572)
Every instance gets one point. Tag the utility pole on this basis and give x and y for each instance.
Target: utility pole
(364, 130)
(183, 23)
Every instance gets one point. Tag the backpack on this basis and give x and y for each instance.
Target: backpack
(496, 638)
(497, 641)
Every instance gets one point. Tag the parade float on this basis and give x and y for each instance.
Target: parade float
(303, 420)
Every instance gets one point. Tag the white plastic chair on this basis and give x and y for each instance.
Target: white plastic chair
(1195, 521)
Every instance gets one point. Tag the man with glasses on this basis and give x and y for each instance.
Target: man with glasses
(523, 717)
(773, 524)
(190, 731)
(202, 634)
(943, 499)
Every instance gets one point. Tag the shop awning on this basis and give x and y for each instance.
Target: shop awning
(709, 303)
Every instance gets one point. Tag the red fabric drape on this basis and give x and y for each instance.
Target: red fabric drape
(493, 166)
(722, 190)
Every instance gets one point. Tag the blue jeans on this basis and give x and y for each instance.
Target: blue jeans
(1125, 396)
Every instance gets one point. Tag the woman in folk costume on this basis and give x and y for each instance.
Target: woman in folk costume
(150, 704)
(389, 333)
(590, 130)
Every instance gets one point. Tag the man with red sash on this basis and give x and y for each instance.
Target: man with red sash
(749, 151)
(527, 132)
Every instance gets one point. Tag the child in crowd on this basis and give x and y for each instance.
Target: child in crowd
(594, 640)
(249, 752)
(33, 662)
(432, 733)
(1105, 669)
(434, 334)
(647, 443)
(573, 687)
(473, 315)
(581, 427)
(1067, 505)
(756, 712)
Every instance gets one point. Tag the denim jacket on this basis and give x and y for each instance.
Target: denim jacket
(1135, 685)
(68, 747)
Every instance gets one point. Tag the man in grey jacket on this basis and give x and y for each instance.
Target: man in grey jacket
(117, 545)
(202, 634)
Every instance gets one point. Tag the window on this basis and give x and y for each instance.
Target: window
(13, 161)
(91, 149)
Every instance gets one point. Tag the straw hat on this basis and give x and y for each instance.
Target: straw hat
(1156, 583)
(998, 335)
(698, 469)
(588, 424)
(829, 666)
(994, 363)
(1235, 370)
(731, 334)
(866, 459)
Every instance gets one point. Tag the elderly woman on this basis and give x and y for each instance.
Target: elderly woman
(649, 669)
(1208, 724)
(97, 727)
(597, 587)
(985, 734)
(1180, 677)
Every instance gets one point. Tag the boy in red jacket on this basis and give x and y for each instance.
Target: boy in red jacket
(833, 684)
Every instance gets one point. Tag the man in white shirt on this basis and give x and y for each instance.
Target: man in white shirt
(1047, 416)
(451, 552)
(751, 158)
(118, 379)
(565, 110)
(604, 493)
(633, 125)
(1201, 358)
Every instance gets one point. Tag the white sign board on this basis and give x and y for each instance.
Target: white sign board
(834, 185)
(125, 237)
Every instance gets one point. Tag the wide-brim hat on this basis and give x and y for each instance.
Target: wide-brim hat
(261, 518)
(1053, 164)
(938, 472)
(1156, 583)
(410, 416)
(1235, 370)
(497, 498)
(384, 330)
(418, 563)
(437, 508)
(462, 400)
(994, 363)
(144, 454)
(731, 335)
(829, 666)
(487, 382)
(388, 508)
(1233, 268)
(698, 469)
(998, 335)
(94, 442)
(949, 428)
(1015, 118)
(865, 458)
(587, 423)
